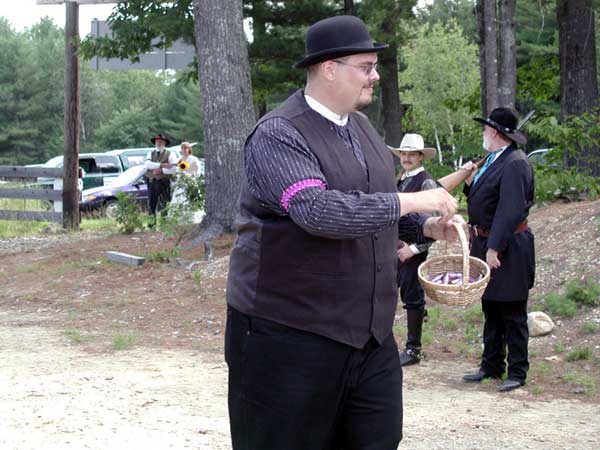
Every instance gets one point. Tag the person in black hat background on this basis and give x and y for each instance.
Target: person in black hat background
(160, 164)
(312, 289)
(499, 197)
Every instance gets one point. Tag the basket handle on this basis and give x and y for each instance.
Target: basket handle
(464, 243)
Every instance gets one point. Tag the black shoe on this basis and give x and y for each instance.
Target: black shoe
(478, 377)
(409, 357)
(509, 385)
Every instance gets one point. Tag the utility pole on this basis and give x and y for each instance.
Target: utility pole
(70, 196)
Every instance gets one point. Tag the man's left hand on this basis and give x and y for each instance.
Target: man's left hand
(404, 253)
(491, 257)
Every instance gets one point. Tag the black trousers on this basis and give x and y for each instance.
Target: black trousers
(159, 194)
(505, 328)
(411, 292)
(294, 390)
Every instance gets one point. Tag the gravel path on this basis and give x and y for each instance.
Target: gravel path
(55, 396)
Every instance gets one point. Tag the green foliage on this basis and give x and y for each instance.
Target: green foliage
(559, 348)
(128, 213)
(123, 341)
(473, 315)
(579, 354)
(559, 183)
(440, 80)
(163, 256)
(585, 292)
(584, 381)
(572, 138)
(181, 116)
(590, 328)
(560, 305)
(443, 11)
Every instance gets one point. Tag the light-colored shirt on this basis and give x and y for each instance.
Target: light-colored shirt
(150, 165)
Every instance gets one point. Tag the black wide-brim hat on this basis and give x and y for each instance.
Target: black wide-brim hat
(334, 37)
(505, 121)
(162, 137)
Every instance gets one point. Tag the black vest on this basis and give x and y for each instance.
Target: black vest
(415, 183)
(344, 289)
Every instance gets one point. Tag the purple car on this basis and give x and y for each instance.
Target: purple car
(103, 199)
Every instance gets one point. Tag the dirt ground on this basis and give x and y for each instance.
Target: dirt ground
(97, 355)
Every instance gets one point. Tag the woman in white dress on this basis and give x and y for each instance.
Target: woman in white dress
(187, 166)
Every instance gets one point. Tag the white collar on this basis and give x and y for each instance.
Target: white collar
(412, 173)
(326, 112)
(498, 152)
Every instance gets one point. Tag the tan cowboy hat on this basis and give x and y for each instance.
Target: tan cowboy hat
(412, 142)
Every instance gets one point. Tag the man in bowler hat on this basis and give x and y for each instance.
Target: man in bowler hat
(312, 289)
(160, 167)
(499, 197)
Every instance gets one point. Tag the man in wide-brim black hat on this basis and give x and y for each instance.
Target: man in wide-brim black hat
(499, 198)
(160, 167)
(312, 289)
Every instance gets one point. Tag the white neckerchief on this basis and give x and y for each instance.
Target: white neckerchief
(412, 173)
(326, 112)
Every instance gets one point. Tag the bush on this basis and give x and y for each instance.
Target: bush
(559, 183)
(583, 292)
(560, 305)
(128, 214)
(579, 354)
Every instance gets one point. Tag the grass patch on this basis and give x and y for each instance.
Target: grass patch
(449, 324)
(426, 337)
(579, 354)
(433, 316)
(542, 369)
(585, 382)
(590, 328)
(537, 390)
(123, 341)
(76, 336)
(473, 315)
(98, 224)
(560, 305)
(583, 292)
(559, 348)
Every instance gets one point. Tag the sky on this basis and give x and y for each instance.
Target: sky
(25, 13)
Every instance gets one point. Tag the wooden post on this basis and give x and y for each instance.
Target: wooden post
(71, 124)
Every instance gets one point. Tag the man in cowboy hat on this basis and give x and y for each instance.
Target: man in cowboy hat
(160, 167)
(312, 291)
(499, 198)
(412, 152)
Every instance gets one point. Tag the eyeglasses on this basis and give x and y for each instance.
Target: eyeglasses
(366, 69)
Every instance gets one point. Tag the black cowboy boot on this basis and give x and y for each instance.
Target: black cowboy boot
(412, 353)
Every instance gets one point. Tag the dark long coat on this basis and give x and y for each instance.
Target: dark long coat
(499, 201)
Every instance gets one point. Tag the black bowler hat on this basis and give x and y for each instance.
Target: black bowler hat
(337, 36)
(162, 137)
(505, 121)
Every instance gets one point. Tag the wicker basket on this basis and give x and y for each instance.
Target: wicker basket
(459, 295)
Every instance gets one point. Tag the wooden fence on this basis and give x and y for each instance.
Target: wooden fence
(30, 175)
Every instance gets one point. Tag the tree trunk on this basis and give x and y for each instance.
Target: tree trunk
(488, 54)
(70, 196)
(507, 64)
(349, 7)
(226, 95)
(578, 74)
(390, 96)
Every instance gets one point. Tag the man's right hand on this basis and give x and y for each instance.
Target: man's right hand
(427, 202)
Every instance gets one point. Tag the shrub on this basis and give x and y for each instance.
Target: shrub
(560, 305)
(579, 354)
(583, 292)
(128, 214)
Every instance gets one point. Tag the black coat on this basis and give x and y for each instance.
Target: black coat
(498, 202)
